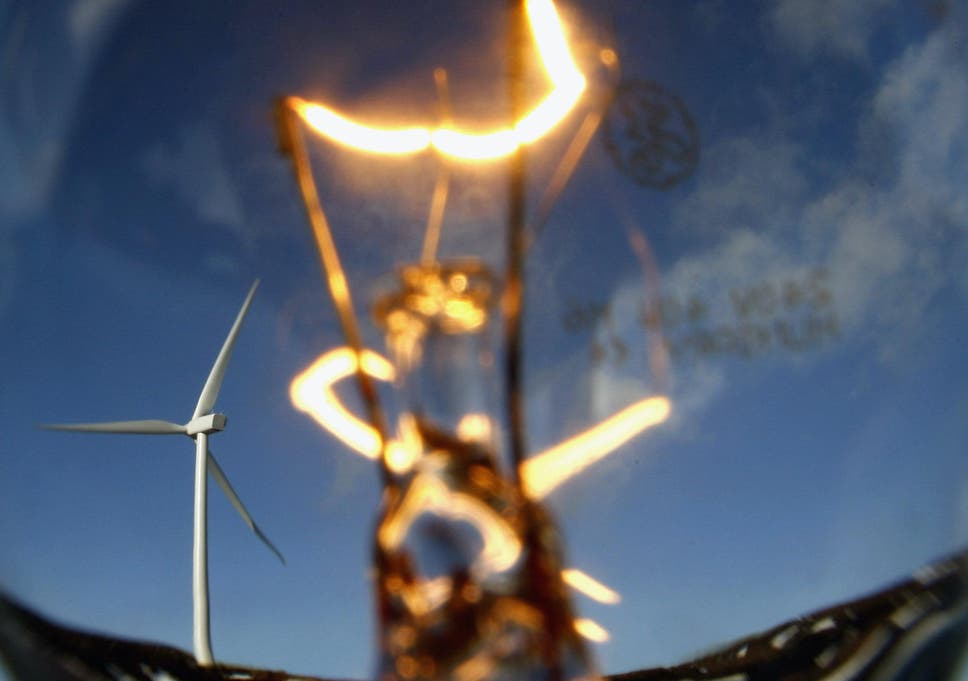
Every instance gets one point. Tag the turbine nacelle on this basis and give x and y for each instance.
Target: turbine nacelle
(207, 424)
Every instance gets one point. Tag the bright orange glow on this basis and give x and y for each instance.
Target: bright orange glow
(427, 594)
(476, 668)
(546, 115)
(427, 494)
(544, 472)
(590, 586)
(312, 392)
(568, 85)
(474, 428)
(591, 630)
(402, 454)
(474, 147)
(400, 458)
(340, 129)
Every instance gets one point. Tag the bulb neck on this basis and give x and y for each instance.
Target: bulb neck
(437, 322)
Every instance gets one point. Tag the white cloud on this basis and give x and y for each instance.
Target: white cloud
(745, 181)
(893, 246)
(90, 20)
(31, 135)
(41, 84)
(834, 27)
(616, 385)
(27, 173)
(194, 167)
(744, 256)
(924, 99)
(889, 245)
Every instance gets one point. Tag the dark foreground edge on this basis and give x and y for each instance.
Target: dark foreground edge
(916, 630)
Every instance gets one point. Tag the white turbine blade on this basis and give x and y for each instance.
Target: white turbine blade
(226, 486)
(146, 427)
(210, 392)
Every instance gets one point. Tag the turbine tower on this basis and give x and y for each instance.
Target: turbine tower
(203, 423)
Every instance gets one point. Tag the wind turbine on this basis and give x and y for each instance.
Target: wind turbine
(203, 423)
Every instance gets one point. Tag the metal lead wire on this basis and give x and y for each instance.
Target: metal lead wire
(291, 143)
(576, 149)
(513, 301)
(442, 185)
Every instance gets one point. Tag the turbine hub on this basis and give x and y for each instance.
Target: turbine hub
(209, 423)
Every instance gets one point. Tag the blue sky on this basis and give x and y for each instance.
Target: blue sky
(140, 195)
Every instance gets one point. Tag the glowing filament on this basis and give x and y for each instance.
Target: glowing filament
(312, 392)
(544, 472)
(591, 630)
(474, 428)
(568, 85)
(362, 137)
(589, 586)
(429, 495)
